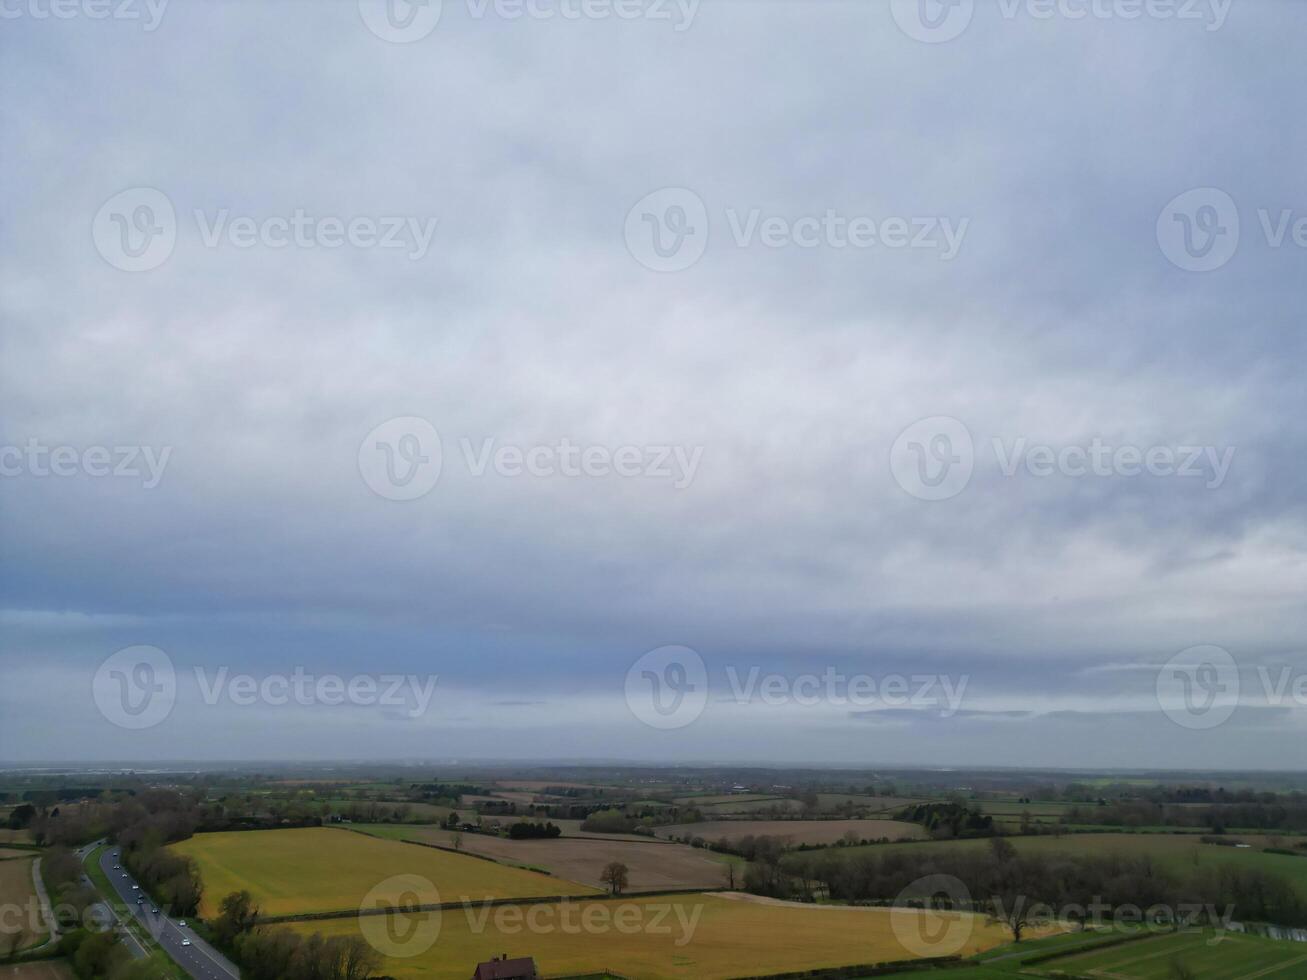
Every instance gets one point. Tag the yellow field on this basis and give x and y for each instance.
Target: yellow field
(691, 937)
(18, 894)
(318, 869)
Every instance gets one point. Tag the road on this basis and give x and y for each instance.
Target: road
(200, 960)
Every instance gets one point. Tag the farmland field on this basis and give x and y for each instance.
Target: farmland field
(20, 836)
(319, 869)
(708, 937)
(17, 892)
(1232, 957)
(1179, 851)
(41, 970)
(799, 831)
(653, 865)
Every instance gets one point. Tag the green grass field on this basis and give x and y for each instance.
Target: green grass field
(688, 937)
(1232, 957)
(319, 869)
(1103, 954)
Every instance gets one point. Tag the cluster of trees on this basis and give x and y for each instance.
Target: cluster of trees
(1281, 815)
(66, 824)
(281, 954)
(100, 956)
(70, 896)
(1000, 876)
(143, 826)
(608, 822)
(528, 830)
(947, 820)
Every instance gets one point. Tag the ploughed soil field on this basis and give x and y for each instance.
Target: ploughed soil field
(798, 831)
(18, 894)
(40, 970)
(654, 865)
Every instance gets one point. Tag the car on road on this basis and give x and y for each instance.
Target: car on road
(154, 911)
(186, 942)
(115, 867)
(136, 888)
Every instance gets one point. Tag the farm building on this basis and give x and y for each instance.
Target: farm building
(502, 968)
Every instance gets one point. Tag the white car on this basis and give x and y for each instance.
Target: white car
(186, 942)
(136, 888)
(182, 923)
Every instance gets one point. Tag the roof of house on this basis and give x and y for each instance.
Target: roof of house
(523, 966)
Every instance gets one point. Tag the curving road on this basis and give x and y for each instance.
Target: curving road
(200, 960)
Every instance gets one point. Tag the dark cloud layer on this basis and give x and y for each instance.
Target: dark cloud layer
(1060, 321)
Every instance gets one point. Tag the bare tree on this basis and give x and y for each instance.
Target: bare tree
(615, 876)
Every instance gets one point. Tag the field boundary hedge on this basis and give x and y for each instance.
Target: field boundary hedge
(1092, 947)
(856, 972)
(264, 920)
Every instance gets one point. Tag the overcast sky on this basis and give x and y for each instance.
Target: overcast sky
(835, 341)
